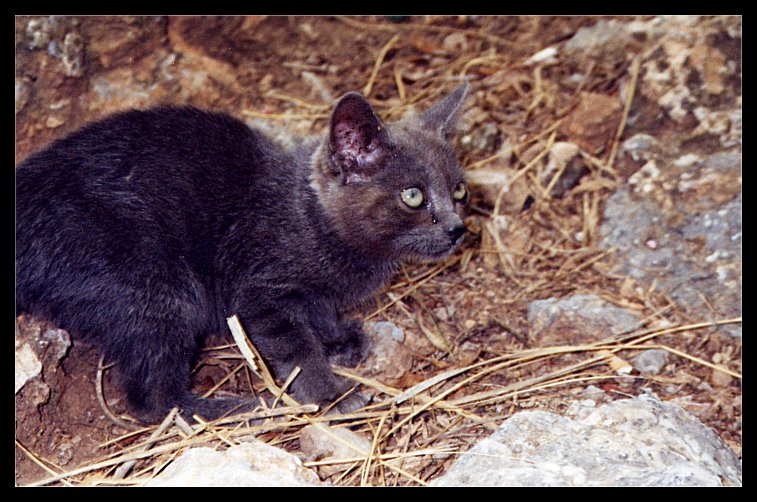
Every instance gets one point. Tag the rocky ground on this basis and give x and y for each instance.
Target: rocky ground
(604, 156)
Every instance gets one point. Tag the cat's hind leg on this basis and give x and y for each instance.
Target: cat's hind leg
(154, 322)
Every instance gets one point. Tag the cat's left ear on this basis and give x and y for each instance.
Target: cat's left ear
(443, 115)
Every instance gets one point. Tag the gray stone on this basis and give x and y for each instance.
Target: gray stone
(640, 146)
(481, 139)
(27, 365)
(635, 442)
(323, 441)
(320, 441)
(609, 38)
(73, 55)
(38, 351)
(586, 316)
(386, 329)
(494, 183)
(23, 91)
(38, 31)
(651, 361)
(248, 464)
(674, 263)
(388, 358)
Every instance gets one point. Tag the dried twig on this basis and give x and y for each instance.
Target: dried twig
(124, 469)
(377, 65)
(635, 65)
(101, 398)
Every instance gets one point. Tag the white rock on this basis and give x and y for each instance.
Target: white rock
(248, 464)
(635, 442)
(651, 361)
(27, 365)
(323, 441)
(687, 160)
(560, 154)
(544, 55)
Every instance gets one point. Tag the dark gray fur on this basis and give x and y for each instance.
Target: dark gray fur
(144, 231)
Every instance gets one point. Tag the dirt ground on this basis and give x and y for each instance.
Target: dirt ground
(284, 71)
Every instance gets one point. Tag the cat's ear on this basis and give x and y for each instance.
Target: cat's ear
(358, 140)
(442, 117)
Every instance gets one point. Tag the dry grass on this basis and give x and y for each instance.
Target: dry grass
(418, 427)
(420, 423)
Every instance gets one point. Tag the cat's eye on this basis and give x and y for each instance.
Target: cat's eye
(412, 197)
(460, 192)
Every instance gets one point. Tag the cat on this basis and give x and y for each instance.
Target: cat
(144, 231)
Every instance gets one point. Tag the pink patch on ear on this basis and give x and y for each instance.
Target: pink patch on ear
(350, 144)
(348, 140)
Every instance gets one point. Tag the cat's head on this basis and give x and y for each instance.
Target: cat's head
(393, 190)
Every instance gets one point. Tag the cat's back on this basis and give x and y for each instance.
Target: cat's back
(165, 163)
(162, 142)
(160, 184)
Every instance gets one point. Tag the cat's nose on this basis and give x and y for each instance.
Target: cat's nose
(455, 232)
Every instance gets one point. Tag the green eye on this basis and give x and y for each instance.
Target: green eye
(413, 197)
(460, 192)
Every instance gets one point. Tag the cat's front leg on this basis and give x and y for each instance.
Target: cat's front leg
(286, 339)
(344, 341)
(351, 347)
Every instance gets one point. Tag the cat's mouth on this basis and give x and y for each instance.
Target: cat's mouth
(433, 255)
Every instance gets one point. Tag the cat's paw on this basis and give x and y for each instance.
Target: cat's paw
(353, 402)
(211, 409)
(354, 347)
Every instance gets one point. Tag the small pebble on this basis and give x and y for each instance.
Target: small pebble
(651, 361)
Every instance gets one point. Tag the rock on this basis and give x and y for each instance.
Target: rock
(319, 441)
(73, 55)
(719, 378)
(563, 158)
(641, 147)
(645, 178)
(27, 365)
(579, 319)
(38, 32)
(692, 245)
(560, 154)
(482, 138)
(610, 39)
(544, 56)
(721, 228)
(692, 74)
(725, 125)
(389, 358)
(248, 464)
(594, 122)
(52, 122)
(455, 43)
(594, 393)
(322, 442)
(39, 350)
(386, 329)
(119, 89)
(634, 442)
(651, 361)
(687, 160)
(489, 181)
(710, 63)
(23, 91)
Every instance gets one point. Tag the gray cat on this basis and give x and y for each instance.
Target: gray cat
(143, 232)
